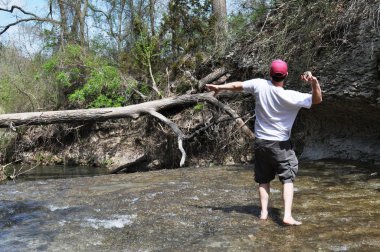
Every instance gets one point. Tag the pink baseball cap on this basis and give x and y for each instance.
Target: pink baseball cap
(278, 68)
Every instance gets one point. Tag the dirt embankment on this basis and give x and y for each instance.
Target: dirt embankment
(340, 42)
(138, 145)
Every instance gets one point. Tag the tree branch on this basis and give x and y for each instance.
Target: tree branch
(13, 7)
(33, 18)
(176, 130)
(133, 111)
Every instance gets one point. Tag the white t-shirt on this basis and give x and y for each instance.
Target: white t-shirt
(276, 108)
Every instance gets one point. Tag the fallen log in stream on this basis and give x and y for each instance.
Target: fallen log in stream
(133, 111)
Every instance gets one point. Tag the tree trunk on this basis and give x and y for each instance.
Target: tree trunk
(151, 16)
(219, 11)
(212, 76)
(132, 21)
(82, 22)
(102, 114)
(134, 111)
(65, 30)
(120, 28)
(74, 32)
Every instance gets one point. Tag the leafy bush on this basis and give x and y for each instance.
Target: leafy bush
(85, 80)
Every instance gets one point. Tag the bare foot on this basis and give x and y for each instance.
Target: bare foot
(292, 222)
(264, 215)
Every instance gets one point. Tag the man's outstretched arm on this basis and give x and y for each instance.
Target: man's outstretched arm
(315, 88)
(233, 86)
(316, 91)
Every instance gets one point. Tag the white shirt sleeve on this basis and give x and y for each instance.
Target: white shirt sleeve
(308, 101)
(249, 86)
(299, 99)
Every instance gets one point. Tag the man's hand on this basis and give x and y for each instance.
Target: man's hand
(316, 89)
(308, 77)
(211, 87)
(233, 86)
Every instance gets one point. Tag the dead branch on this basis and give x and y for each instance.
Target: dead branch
(20, 172)
(233, 114)
(132, 111)
(217, 73)
(102, 114)
(221, 79)
(13, 7)
(6, 165)
(33, 18)
(3, 176)
(176, 130)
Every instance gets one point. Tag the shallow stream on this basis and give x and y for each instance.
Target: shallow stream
(193, 209)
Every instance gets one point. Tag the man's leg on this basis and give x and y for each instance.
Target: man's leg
(288, 202)
(264, 190)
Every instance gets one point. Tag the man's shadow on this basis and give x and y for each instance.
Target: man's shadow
(274, 213)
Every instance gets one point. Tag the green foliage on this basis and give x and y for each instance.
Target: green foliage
(50, 38)
(22, 87)
(70, 76)
(198, 107)
(144, 89)
(102, 89)
(85, 80)
(145, 49)
(187, 26)
(50, 65)
(238, 24)
(249, 20)
(63, 79)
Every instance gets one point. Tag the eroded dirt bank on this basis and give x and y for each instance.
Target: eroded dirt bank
(339, 129)
(343, 51)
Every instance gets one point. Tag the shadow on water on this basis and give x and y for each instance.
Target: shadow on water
(333, 172)
(54, 172)
(255, 210)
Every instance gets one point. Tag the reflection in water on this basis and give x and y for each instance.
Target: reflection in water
(213, 208)
(54, 172)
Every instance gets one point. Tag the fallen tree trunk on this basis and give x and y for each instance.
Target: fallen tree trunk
(216, 74)
(132, 111)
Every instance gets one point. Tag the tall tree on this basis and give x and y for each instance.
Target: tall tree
(219, 11)
(152, 16)
(70, 20)
(186, 25)
(122, 20)
(110, 17)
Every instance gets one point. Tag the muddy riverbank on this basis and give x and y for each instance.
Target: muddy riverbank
(192, 209)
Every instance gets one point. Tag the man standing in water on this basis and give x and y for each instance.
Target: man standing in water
(276, 110)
